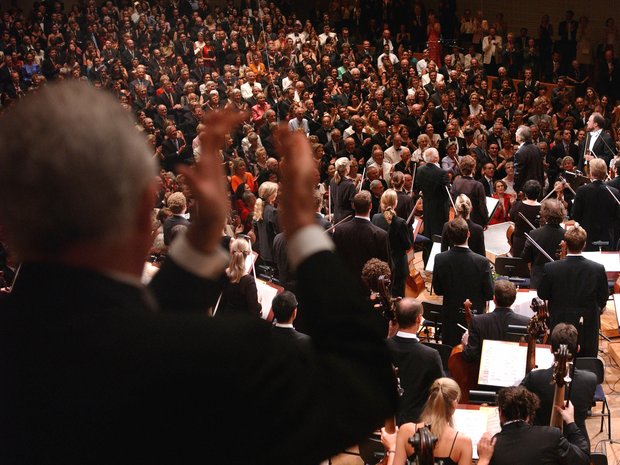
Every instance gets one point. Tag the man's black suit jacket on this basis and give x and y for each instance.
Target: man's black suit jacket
(94, 373)
(493, 326)
(521, 443)
(603, 148)
(576, 287)
(549, 238)
(528, 165)
(357, 241)
(475, 191)
(597, 212)
(460, 274)
(301, 341)
(582, 389)
(443, 144)
(432, 181)
(418, 367)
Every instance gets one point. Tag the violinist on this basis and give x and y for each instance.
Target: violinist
(463, 209)
(452, 447)
(576, 287)
(473, 189)
(460, 274)
(418, 365)
(548, 236)
(583, 382)
(530, 208)
(492, 325)
(521, 443)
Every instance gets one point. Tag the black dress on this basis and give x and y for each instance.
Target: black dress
(532, 213)
(400, 239)
(239, 298)
(266, 231)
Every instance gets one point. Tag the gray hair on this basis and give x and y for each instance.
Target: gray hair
(430, 155)
(525, 133)
(78, 174)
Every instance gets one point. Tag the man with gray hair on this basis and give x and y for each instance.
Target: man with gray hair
(97, 368)
(528, 160)
(434, 184)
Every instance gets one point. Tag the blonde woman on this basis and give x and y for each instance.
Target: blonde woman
(239, 295)
(342, 190)
(265, 220)
(399, 239)
(452, 447)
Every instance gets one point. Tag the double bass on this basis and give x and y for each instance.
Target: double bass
(561, 378)
(463, 372)
(537, 328)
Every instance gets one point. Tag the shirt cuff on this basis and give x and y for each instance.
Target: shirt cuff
(306, 242)
(207, 266)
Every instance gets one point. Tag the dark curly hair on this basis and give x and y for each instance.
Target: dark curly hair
(517, 403)
(371, 272)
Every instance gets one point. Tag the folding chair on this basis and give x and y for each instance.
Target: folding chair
(596, 366)
(432, 318)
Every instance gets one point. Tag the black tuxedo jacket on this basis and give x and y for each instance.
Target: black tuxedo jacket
(521, 443)
(300, 340)
(597, 211)
(460, 274)
(342, 198)
(432, 181)
(443, 144)
(357, 241)
(604, 147)
(492, 326)
(582, 389)
(418, 367)
(475, 241)
(93, 372)
(549, 238)
(576, 287)
(528, 165)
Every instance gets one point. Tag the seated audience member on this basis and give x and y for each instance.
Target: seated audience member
(520, 442)
(493, 325)
(583, 383)
(418, 365)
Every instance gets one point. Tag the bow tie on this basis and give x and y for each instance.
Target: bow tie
(398, 149)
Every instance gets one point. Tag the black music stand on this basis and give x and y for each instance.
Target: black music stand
(512, 267)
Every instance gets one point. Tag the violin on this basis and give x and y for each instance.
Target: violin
(561, 378)
(423, 443)
(537, 328)
(463, 372)
(509, 232)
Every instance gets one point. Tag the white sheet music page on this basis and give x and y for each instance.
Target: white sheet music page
(502, 363)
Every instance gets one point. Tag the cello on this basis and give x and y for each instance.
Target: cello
(423, 443)
(561, 378)
(537, 328)
(463, 372)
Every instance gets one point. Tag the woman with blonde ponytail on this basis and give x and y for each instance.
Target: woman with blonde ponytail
(239, 295)
(342, 190)
(400, 240)
(266, 220)
(452, 447)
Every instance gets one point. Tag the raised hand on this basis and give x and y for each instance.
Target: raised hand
(208, 183)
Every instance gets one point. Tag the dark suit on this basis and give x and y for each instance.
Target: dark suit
(357, 241)
(597, 211)
(604, 147)
(582, 389)
(418, 367)
(342, 198)
(443, 144)
(432, 181)
(521, 443)
(460, 274)
(405, 204)
(576, 287)
(106, 378)
(528, 165)
(492, 326)
(302, 341)
(549, 238)
(475, 241)
(171, 222)
(475, 191)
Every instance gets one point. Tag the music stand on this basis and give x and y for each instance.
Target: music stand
(512, 267)
(516, 332)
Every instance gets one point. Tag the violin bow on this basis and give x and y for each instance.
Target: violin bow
(527, 221)
(540, 249)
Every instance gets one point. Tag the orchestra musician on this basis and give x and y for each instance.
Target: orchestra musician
(576, 287)
(452, 447)
(432, 181)
(418, 365)
(473, 189)
(528, 160)
(583, 382)
(111, 371)
(341, 190)
(463, 209)
(493, 325)
(530, 208)
(460, 274)
(597, 144)
(520, 442)
(596, 207)
(548, 236)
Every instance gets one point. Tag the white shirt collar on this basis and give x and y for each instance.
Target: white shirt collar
(407, 335)
(362, 217)
(284, 325)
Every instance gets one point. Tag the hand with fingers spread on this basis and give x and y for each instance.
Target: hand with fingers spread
(298, 176)
(208, 183)
(486, 446)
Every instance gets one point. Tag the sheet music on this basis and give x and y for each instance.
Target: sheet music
(610, 260)
(491, 206)
(502, 363)
(266, 294)
(495, 240)
(474, 423)
(431, 259)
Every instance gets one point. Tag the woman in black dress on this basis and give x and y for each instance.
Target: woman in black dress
(341, 191)
(265, 220)
(530, 208)
(239, 296)
(399, 240)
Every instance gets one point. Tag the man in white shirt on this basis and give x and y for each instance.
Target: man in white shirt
(492, 49)
(327, 34)
(394, 153)
(248, 87)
